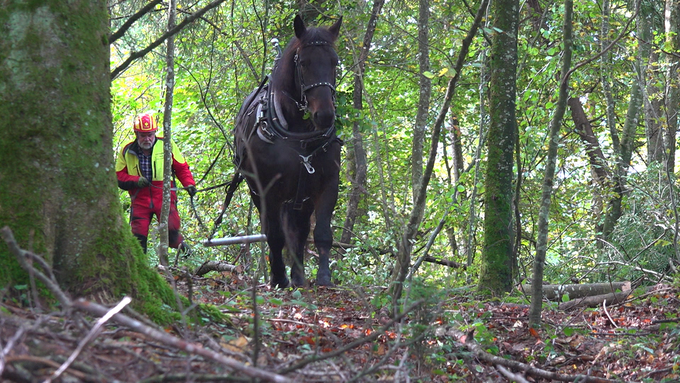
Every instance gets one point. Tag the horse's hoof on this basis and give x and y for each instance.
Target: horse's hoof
(280, 283)
(324, 282)
(299, 282)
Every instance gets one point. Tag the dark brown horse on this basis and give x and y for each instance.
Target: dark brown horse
(287, 150)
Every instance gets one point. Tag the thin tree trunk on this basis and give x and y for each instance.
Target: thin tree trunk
(405, 244)
(551, 162)
(672, 28)
(359, 153)
(167, 136)
(623, 157)
(425, 90)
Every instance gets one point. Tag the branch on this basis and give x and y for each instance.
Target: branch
(123, 28)
(170, 340)
(93, 308)
(356, 343)
(21, 256)
(468, 341)
(605, 50)
(91, 335)
(136, 55)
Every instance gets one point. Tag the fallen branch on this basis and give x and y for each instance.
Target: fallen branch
(21, 256)
(555, 292)
(511, 375)
(170, 340)
(596, 300)
(467, 340)
(90, 336)
(374, 335)
(93, 308)
(209, 266)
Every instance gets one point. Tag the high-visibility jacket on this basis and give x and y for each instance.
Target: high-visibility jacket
(128, 172)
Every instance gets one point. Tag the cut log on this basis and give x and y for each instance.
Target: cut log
(595, 301)
(555, 292)
(209, 266)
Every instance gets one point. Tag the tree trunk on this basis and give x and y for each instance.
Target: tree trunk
(495, 271)
(672, 28)
(551, 162)
(167, 138)
(405, 244)
(425, 89)
(59, 192)
(359, 153)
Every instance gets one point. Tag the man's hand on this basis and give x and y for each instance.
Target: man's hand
(142, 182)
(191, 189)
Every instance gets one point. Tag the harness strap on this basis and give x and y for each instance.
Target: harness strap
(306, 161)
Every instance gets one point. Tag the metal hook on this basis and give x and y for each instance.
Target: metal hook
(308, 166)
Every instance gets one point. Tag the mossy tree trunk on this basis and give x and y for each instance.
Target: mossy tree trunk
(58, 192)
(497, 255)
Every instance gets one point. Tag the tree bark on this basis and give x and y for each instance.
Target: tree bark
(551, 162)
(59, 193)
(496, 265)
(167, 137)
(672, 28)
(425, 89)
(405, 244)
(358, 172)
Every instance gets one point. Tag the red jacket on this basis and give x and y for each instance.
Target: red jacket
(129, 172)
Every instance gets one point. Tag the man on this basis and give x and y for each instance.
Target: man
(139, 168)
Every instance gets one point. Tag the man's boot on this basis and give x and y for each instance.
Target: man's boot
(184, 250)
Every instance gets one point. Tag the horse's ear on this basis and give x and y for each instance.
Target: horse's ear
(299, 26)
(335, 28)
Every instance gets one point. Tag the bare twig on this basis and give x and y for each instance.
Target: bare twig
(96, 329)
(604, 307)
(468, 341)
(21, 256)
(374, 335)
(510, 375)
(131, 20)
(181, 344)
(136, 55)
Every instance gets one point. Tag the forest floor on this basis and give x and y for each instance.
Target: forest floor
(338, 335)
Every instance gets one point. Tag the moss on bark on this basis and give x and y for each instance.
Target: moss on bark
(59, 192)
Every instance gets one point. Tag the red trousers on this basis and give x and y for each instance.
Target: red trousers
(142, 213)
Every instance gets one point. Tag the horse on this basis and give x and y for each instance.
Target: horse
(287, 149)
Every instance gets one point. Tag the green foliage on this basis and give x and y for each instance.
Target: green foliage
(221, 59)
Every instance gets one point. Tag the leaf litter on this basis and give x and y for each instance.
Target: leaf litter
(340, 335)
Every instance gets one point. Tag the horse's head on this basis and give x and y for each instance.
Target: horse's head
(315, 62)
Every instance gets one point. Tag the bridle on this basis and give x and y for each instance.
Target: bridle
(303, 104)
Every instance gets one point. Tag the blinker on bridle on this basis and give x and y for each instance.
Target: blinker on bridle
(303, 104)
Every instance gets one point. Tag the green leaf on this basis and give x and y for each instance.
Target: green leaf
(297, 294)
(568, 331)
(428, 74)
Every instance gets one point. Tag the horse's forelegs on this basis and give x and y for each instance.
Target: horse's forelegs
(276, 241)
(323, 239)
(298, 238)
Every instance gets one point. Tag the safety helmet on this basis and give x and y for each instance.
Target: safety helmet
(145, 123)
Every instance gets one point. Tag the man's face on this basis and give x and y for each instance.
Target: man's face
(145, 140)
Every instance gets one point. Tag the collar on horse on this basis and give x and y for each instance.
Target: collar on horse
(271, 124)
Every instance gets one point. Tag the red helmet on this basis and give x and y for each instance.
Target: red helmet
(145, 123)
